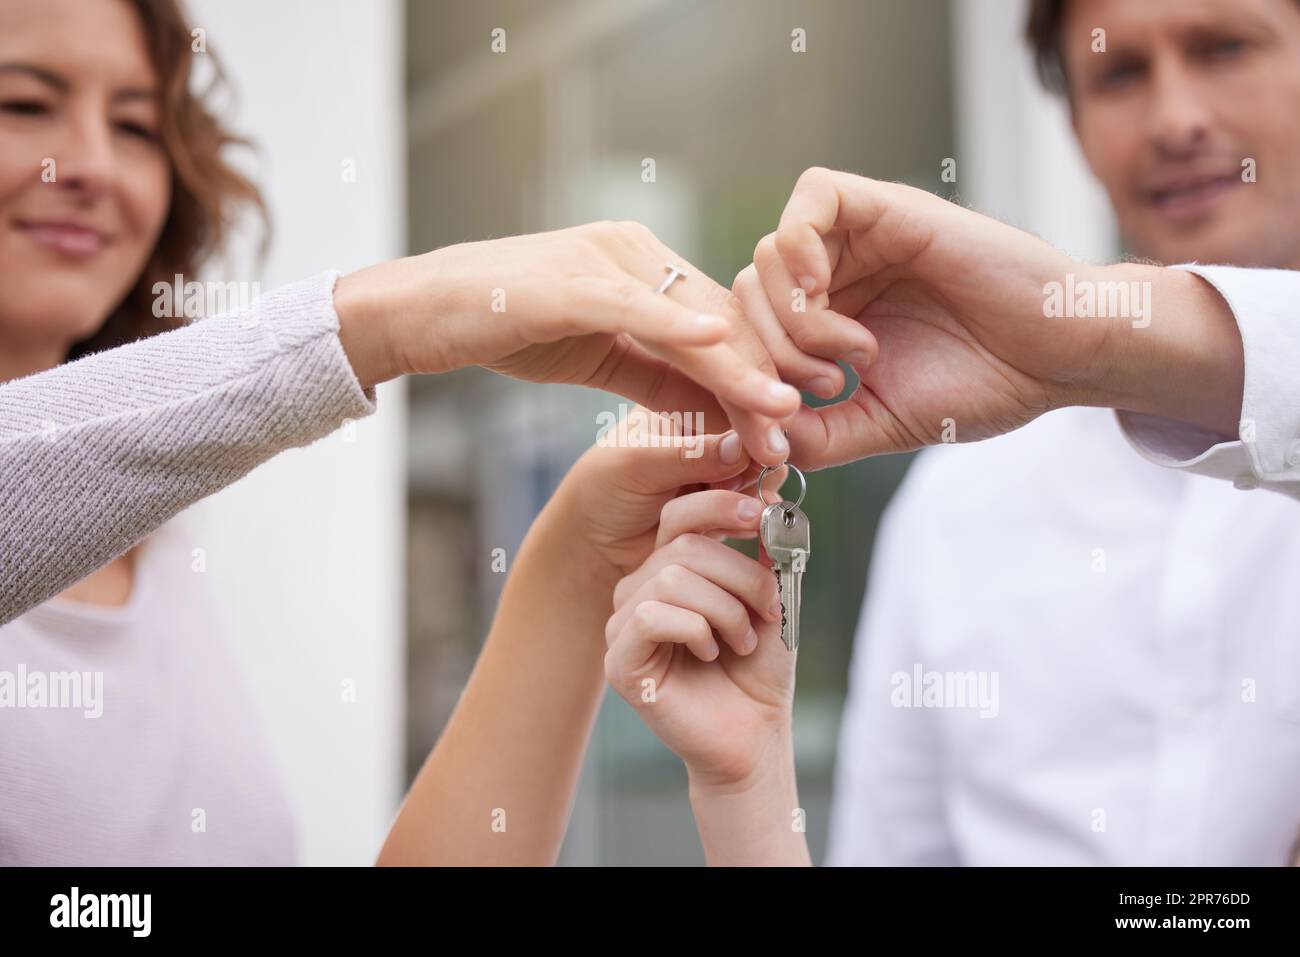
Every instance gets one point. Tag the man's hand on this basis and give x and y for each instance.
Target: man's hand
(946, 316)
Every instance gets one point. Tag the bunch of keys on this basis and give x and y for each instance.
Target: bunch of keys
(787, 539)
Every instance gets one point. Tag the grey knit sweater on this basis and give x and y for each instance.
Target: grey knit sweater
(97, 453)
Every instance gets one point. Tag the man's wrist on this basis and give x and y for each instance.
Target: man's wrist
(1176, 352)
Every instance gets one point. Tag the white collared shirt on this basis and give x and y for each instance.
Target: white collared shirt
(1134, 627)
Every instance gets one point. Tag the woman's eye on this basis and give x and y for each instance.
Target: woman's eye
(138, 130)
(24, 107)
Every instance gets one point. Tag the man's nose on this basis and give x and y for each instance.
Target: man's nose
(85, 161)
(1178, 123)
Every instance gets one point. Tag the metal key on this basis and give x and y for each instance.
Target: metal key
(787, 538)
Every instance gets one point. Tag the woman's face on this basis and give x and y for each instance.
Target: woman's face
(84, 182)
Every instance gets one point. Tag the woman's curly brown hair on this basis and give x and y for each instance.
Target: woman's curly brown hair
(208, 194)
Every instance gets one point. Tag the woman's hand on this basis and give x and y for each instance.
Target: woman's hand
(695, 649)
(576, 306)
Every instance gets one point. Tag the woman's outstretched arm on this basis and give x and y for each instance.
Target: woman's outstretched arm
(98, 453)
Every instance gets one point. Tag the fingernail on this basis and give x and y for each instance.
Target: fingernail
(729, 449)
(713, 651)
(735, 484)
(748, 510)
(750, 642)
(781, 392)
(858, 360)
(822, 387)
(776, 441)
(775, 611)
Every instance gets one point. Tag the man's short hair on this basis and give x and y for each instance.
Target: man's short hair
(1043, 31)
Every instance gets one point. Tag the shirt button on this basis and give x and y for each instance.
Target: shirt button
(1293, 456)
(1245, 482)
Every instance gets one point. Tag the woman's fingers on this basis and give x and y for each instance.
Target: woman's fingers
(734, 367)
(635, 373)
(681, 586)
(704, 345)
(738, 370)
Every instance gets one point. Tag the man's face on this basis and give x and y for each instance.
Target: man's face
(1191, 119)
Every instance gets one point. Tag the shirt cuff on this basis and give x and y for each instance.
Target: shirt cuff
(1266, 451)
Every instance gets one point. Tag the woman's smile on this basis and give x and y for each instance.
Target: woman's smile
(69, 237)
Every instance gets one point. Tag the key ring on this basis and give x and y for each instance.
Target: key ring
(803, 488)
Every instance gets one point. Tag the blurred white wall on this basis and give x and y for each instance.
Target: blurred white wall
(305, 555)
(1017, 157)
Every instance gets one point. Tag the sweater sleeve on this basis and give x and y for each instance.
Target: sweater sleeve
(97, 453)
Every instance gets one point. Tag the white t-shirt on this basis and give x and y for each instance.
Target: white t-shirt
(126, 735)
(1072, 655)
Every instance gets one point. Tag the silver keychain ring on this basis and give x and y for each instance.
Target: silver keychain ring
(803, 485)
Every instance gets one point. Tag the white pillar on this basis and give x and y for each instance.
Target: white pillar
(1017, 158)
(305, 556)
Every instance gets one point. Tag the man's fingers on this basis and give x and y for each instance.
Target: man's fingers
(819, 376)
(845, 432)
(811, 212)
(812, 327)
(823, 201)
(892, 224)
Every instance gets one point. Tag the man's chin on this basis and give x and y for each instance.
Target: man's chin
(1223, 243)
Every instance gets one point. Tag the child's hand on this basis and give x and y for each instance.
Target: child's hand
(613, 495)
(724, 707)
